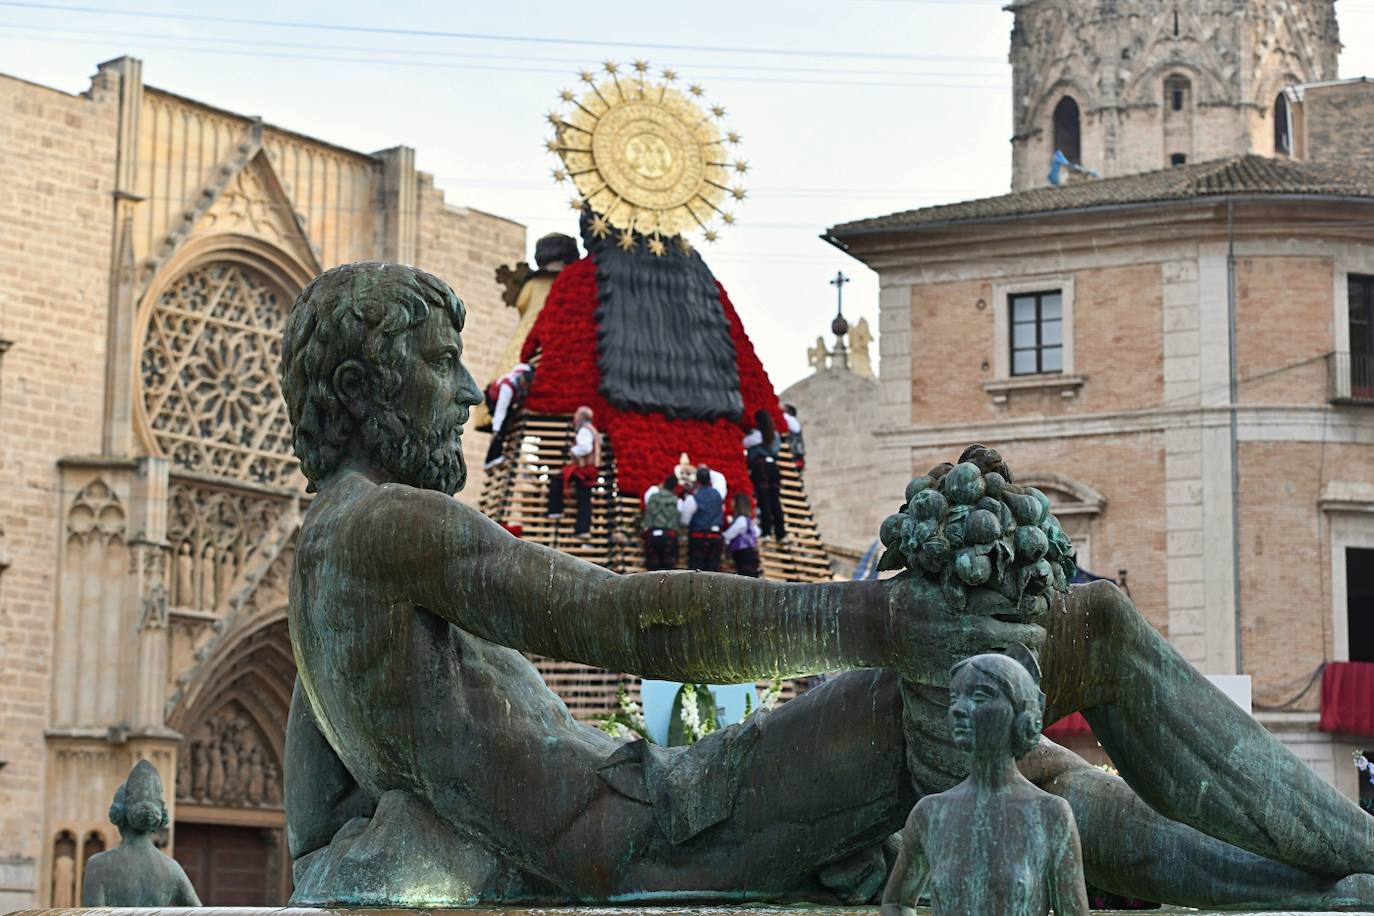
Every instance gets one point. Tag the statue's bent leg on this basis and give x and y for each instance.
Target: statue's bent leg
(815, 782)
(1129, 848)
(1189, 751)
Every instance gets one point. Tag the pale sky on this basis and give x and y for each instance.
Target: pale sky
(848, 108)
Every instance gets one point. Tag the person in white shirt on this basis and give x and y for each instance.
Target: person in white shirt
(580, 472)
(794, 437)
(509, 389)
(742, 538)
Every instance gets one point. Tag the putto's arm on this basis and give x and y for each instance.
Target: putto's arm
(679, 626)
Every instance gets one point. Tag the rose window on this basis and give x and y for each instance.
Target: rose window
(209, 371)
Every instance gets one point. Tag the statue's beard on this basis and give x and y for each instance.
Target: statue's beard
(431, 459)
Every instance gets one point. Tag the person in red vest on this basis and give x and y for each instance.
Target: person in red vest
(580, 473)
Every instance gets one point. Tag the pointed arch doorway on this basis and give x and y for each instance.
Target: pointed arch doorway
(230, 826)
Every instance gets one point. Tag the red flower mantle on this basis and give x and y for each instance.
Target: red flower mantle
(647, 445)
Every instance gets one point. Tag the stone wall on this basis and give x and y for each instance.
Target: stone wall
(463, 246)
(838, 413)
(57, 154)
(1338, 121)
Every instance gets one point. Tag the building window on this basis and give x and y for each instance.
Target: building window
(1283, 140)
(1178, 159)
(1066, 129)
(1177, 90)
(1037, 332)
(1359, 603)
(1360, 311)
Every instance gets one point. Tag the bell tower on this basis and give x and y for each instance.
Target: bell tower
(1125, 86)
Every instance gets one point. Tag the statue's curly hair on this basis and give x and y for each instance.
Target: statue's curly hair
(119, 815)
(358, 311)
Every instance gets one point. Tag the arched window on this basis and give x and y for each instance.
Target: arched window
(209, 372)
(1283, 140)
(1066, 129)
(1178, 92)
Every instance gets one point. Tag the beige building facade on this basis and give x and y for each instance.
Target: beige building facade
(151, 246)
(1169, 356)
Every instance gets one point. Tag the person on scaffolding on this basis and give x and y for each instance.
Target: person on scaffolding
(662, 509)
(580, 473)
(761, 447)
(703, 515)
(502, 396)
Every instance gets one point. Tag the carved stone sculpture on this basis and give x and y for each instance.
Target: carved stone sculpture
(429, 763)
(994, 844)
(137, 873)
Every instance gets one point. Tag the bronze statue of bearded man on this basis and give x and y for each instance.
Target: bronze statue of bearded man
(429, 763)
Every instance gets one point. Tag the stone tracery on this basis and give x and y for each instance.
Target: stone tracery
(209, 374)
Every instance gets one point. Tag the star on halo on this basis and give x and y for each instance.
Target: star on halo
(586, 76)
(567, 95)
(738, 193)
(657, 248)
(710, 235)
(740, 166)
(611, 67)
(626, 240)
(718, 110)
(669, 74)
(696, 90)
(732, 137)
(576, 203)
(641, 65)
(560, 175)
(728, 219)
(683, 245)
(599, 227)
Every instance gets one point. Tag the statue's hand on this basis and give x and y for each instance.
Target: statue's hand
(930, 635)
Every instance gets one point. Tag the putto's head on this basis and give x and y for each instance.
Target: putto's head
(995, 705)
(555, 251)
(138, 806)
(372, 370)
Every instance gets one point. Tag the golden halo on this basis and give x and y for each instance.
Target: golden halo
(644, 156)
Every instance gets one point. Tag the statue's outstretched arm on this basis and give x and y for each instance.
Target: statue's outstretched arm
(681, 626)
(702, 627)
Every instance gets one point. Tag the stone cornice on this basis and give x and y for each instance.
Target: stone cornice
(1255, 423)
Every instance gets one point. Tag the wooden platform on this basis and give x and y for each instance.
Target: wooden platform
(516, 493)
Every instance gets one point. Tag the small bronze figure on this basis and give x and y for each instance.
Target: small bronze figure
(137, 873)
(994, 844)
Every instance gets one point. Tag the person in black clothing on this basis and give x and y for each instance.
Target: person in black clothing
(703, 512)
(762, 446)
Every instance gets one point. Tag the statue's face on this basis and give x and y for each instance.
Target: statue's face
(980, 714)
(418, 438)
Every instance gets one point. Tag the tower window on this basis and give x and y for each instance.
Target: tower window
(1175, 23)
(1177, 90)
(1283, 140)
(1066, 129)
(1178, 159)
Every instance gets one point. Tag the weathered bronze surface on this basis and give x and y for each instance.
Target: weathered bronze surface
(137, 873)
(994, 844)
(429, 764)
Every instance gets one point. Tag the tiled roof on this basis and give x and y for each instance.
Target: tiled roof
(1238, 175)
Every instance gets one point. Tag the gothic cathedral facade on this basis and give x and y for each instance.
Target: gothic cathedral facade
(149, 497)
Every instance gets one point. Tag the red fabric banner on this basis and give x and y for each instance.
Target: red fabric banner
(1071, 726)
(1348, 698)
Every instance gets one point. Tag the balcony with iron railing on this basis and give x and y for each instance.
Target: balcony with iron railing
(1350, 378)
